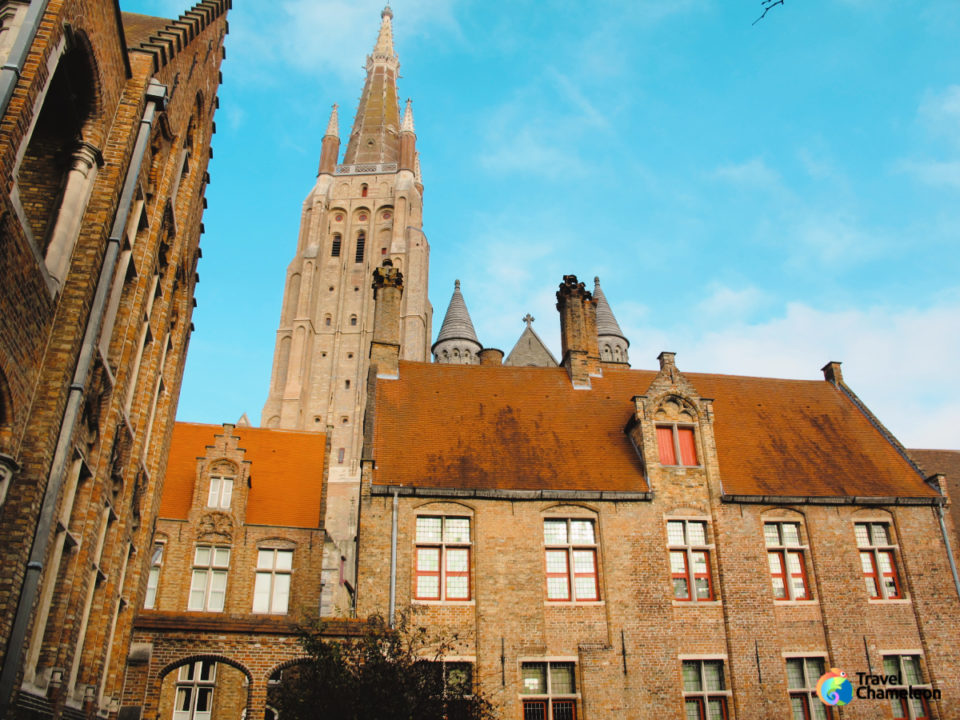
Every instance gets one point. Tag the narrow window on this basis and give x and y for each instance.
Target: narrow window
(571, 559)
(335, 247)
(326, 321)
(552, 686)
(363, 190)
(208, 587)
(271, 591)
(689, 560)
(361, 241)
(153, 579)
(785, 555)
(802, 676)
(340, 453)
(878, 560)
(346, 384)
(195, 691)
(907, 668)
(221, 492)
(704, 690)
(677, 441)
(442, 558)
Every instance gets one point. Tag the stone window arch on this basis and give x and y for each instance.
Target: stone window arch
(60, 161)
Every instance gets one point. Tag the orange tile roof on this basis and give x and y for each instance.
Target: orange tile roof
(286, 473)
(524, 428)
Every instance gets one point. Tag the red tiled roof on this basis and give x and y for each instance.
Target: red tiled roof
(939, 461)
(479, 427)
(286, 473)
(138, 28)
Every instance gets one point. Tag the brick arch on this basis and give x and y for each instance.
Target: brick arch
(216, 657)
(92, 129)
(562, 507)
(286, 664)
(6, 403)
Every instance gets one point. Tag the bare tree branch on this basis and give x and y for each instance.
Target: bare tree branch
(768, 5)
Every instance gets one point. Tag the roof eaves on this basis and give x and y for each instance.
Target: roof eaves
(509, 494)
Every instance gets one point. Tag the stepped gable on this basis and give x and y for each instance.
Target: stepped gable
(286, 473)
(442, 426)
(165, 38)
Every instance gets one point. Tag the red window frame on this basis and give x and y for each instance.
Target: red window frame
(569, 549)
(442, 572)
(690, 550)
(873, 552)
(702, 706)
(677, 445)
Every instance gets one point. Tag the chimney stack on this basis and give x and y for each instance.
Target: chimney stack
(578, 331)
(832, 373)
(491, 356)
(385, 346)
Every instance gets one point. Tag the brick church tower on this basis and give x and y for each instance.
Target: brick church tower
(359, 212)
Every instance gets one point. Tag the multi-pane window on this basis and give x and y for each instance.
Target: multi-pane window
(271, 591)
(907, 668)
(571, 559)
(442, 558)
(208, 587)
(194, 699)
(153, 578)
(802, 676)
(704, 690)
(549, 691)
(676, 442)
(361, 241)
(785, 556)
(221, 491)
(877, 560)
(689, 560)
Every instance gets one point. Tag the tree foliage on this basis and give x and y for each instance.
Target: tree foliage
(385, 674)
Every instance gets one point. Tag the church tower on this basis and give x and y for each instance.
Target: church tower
(359, 212)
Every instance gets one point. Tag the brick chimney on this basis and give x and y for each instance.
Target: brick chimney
(832, 373)
(385, 346)
(578, 331)
(491, 356)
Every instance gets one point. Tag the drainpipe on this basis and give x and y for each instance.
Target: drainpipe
(11, 663)
(393, 562)
(10, 72)
(946, 540)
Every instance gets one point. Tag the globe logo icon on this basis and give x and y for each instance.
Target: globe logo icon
(833, 688)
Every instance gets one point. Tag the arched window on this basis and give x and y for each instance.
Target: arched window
(353, 319)
(326, 321)
(361, 241)
(363, 190)
(58, 167)
(335, 247)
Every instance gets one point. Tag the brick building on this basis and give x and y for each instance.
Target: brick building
(609, 542)
(236, 566)
(105, 129)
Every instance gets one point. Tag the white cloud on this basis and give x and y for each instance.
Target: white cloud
(732, 303)
(753, 172)
(945, 173)
(941, 112)
(902, 363)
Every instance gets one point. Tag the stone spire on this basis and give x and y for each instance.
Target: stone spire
(457, 341)
(613, 343)
(408, 118)
(375, 135)
(333, 127)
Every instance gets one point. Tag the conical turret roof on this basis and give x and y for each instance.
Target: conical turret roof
(456, 323)
(606, 322)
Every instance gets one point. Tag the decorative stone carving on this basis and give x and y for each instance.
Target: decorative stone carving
(216, 523)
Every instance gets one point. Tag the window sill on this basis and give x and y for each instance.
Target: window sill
(682, 467)
(697, 603)
(445, 603)
(791, 603)
(889, 601)
(574, 603)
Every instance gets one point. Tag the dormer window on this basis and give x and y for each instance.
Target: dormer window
(677, 442)
(221, 492)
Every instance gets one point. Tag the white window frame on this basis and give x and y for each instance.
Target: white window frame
(570, 548)
(153, 577)
(220, 493)
(269, 580)
(190, 684)
(443, 547)
(549, 697)
(206, 575)
(783, 549)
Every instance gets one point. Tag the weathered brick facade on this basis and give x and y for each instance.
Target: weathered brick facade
(515, 451)
(104, 142)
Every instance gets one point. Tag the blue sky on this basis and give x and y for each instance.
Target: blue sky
(759, 198)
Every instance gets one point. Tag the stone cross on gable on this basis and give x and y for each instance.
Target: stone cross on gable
(528, 319)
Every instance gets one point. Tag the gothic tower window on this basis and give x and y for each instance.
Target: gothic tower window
(363, 190)
(361, 241)
(335, 247)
